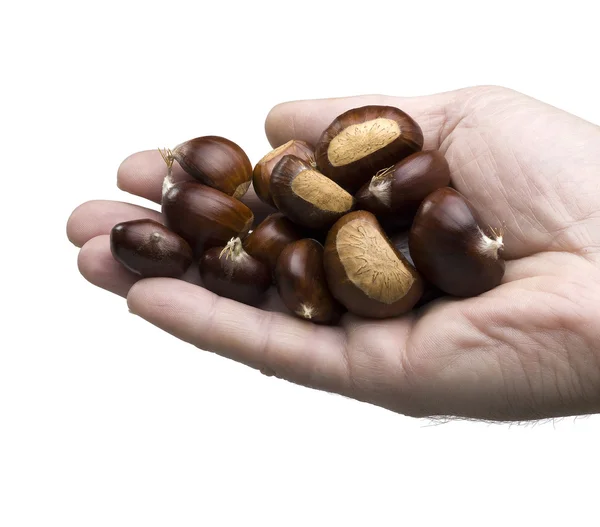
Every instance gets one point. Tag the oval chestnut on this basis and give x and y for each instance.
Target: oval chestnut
(261, 176)
(451, 249)
(306, 196)
(364, 270)
(364, 140)
(302, 285)
(394, 194)
(214, 161)
(271, 237)
(203, 215)
(231, 272)
(149, 249)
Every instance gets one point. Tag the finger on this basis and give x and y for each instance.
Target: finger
(143, 173)
(307, 119)
(293, 349)
(98, 267)
(94, 218)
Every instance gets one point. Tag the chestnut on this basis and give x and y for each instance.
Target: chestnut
(203, 215)
(231, 272)
(451, 249)
(364, 140)
(364, 270)
(302, 285)
(394, 194)
(271, 236)
(306, 196)
(214, 161)
(148, 249)
(261, 176)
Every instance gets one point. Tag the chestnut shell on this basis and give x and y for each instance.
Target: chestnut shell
(217, 162)
(271, 237)
(148, 249)
(204, 216)
(246, 280)
(445, 244)
(353, 174)
(406, 185)
(302, 285)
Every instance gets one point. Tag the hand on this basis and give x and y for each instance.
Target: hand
(528, 349)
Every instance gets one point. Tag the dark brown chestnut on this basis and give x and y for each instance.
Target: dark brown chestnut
(301, 283)
(261, 177)
(362, 141)
(451, 249)
(149, 249)
(364, 270)
(231, 272)
(203, 215)
(306, 196)
(271, 236)
(214, 161)
(394, 194)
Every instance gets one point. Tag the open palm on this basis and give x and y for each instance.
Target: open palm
(527, 349)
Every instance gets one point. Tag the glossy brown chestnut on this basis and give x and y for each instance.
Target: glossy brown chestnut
(301, 283)
(231, 272)
(149, 249)
(362, 141)
(261, 177)
(306, 196)
(365, 272)
(395, 193)
(214, 161)
(203, 215)
(451, 249)
(271, 236)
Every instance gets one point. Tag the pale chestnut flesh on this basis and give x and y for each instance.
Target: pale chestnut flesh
(365, 272)
(452, 249)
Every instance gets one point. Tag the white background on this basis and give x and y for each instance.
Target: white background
(104, 420)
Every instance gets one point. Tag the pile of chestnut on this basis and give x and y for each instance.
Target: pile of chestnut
(328, 246)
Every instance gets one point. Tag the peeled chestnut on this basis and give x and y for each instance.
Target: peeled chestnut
(306, 196)
(214, 161)
(301, 283)
(261, 177)
(364, 140)
(231, 272)
(451, 249)
(365, 272)
(271, 236)
(203, 215)
(394, 194)
(149, 249)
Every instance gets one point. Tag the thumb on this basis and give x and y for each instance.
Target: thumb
(437, 114)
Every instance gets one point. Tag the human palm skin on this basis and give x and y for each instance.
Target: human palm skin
(528, 349)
